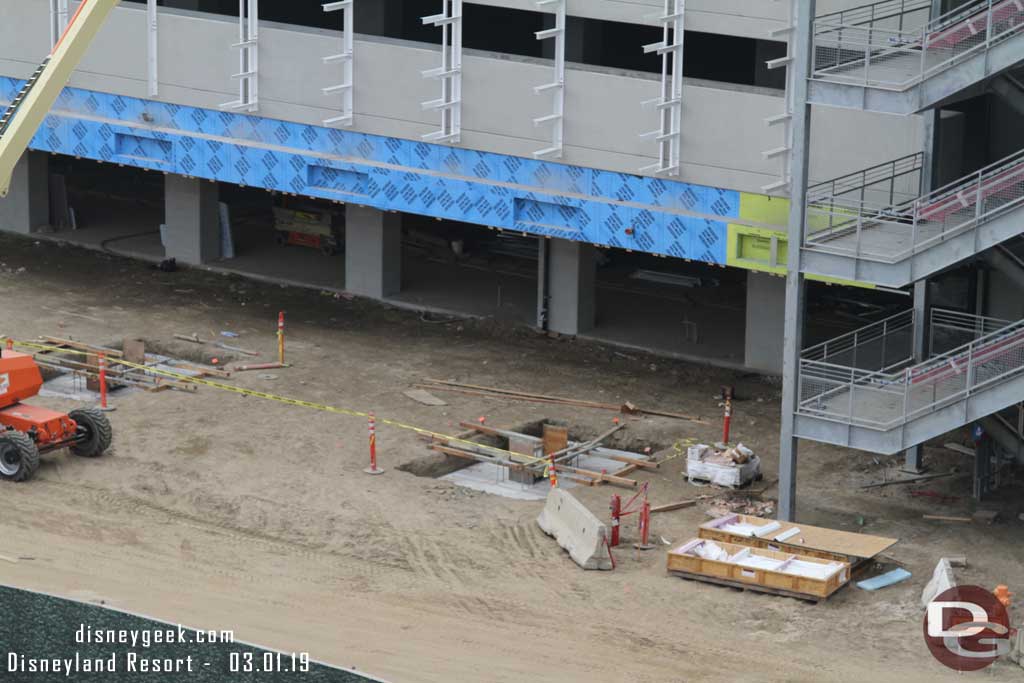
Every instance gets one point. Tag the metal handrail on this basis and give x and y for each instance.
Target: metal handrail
(876, 11)
(932, 218)
(952, 37)
(862, 179)
(922, 388)
(845, 343)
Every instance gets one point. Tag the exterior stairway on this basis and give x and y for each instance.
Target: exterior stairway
(863, 389)
(890, 57)
(879, 236)
(12, 108)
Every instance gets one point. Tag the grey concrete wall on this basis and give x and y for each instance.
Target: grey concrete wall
(766, 315)
(572, 275)
(724, 129)
(26, 208)
(191, 214)
(373, 252)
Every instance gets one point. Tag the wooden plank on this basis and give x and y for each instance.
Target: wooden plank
(555, 439)
(832, 541)
(946, 518)
(203, 370)
(81, 346)
(645, 464)
(668, 507)
(193, 338)
(134, 351)
(600, 476)
(910, 480)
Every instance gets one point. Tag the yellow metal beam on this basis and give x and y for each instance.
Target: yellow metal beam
(37, 103)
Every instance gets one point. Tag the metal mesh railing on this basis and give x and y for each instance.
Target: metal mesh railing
(890, 234)
(884, 400)
(892, 49)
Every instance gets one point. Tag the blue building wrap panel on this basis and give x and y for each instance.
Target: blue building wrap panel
(653, 215)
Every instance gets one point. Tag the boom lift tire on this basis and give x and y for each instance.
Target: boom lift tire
(19, 457)
(97, 432)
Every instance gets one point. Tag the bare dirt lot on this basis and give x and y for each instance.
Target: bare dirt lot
(222, 511)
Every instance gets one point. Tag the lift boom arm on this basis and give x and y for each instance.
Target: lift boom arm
(28, 110)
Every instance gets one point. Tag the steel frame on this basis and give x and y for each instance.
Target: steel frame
(556, 86)
(449, 73)
(670, 103)
(248, 75)
(347, 59)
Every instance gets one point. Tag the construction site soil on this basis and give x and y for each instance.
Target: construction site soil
(223, 511)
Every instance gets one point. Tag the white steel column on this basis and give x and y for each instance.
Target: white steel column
(153, 49)
(248, 57)
(58, 20)
(449, 73)
(796, 82)
(347, 59)
(557, 86)
(670, 103)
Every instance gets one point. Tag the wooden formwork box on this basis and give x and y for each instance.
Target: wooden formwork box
(807, 541)
(757, 578)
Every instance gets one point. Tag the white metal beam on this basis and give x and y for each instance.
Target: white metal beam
(152, 49)
(449, 73)
(248, 75)
(670, 103)
(557, 86)
(347, 59)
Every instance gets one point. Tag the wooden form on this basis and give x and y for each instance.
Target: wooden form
(83, 359)
(760, 569)
(536, 451)
(806, 540)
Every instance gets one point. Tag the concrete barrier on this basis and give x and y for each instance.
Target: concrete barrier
(576, 529)
(942, 580)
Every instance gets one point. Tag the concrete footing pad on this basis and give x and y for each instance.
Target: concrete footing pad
(576, 529)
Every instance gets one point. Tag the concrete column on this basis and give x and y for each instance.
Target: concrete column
(192, 217)
(373, 252)
(572, 271)
(766, 320)
(26, 208)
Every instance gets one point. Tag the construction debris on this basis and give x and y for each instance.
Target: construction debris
(911, 480)
(513, 395)
(941, 581)
(732, 467)
(678, 506)
(425, 397)
(882, 580)
(741, 506)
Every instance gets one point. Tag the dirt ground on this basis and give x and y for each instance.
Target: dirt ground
(221, 511)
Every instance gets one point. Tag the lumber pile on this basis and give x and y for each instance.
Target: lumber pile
(514, 395)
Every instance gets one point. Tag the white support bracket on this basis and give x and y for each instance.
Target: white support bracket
(248, 45)
(449, 73)
(782, 185)
(557, 85)
(347, 59)
(59, 18)
(670, 102)
(152, 49)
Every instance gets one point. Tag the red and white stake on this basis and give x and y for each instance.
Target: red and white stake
(645, 525)
(616, 519)
(280, 338)
(727, 419)
(552, 471)
(102, 364)
(373, 469)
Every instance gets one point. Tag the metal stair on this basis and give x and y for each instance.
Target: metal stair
(867, 230)
(863, 389)
(890, 57)
(12, 108)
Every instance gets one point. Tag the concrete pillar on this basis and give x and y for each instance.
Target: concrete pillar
(373, 252)
(26, 208)
(766, 320)
(572, 271)
(192, 217)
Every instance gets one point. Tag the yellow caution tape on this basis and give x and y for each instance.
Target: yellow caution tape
(273, 397)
